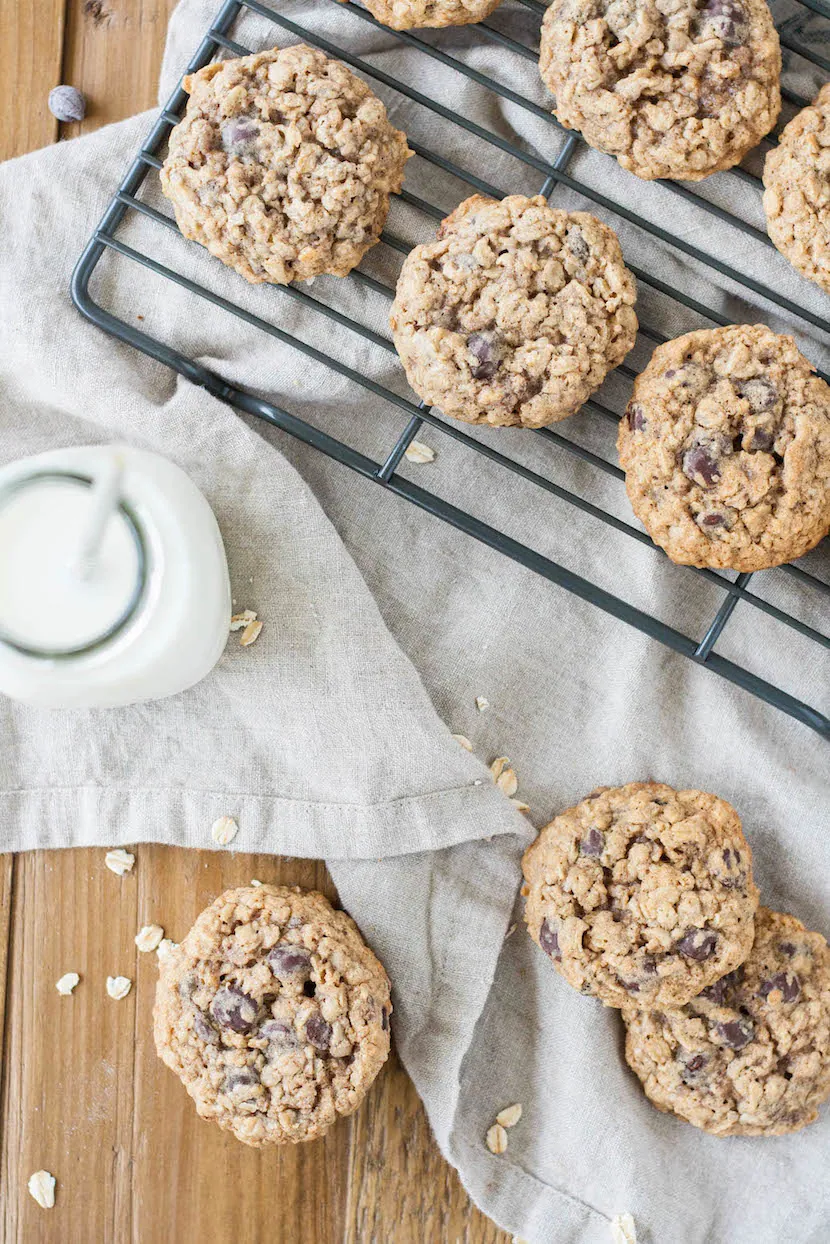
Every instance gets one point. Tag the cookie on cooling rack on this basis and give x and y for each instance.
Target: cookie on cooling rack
(642, 895)
(677, 91)
(726, 449)
(274, 1013)
(797, 191)
(750, 1056)
(515, 314)
(406, 14)
(283, 165)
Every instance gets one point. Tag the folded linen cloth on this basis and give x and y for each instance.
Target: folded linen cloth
(331, 736)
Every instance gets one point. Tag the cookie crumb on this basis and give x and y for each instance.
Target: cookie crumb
(508, 782)
(482, 704)
(417, 451)
(254, 882)
(510, 1116)
(118, 987)
(510, 932)
(463, 741)
(224, 830)
(623, 1230)
(497, 767)
(521, 805)
(41, 1186)
(240, 620)
(149, 937)
(497, 1139)
(250, 635)
(67, 983)
(119, 861)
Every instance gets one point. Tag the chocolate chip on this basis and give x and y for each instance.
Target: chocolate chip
(487, 349)
(692, 1066)
(244, 1078)
(239, 136)
(309, 988)
(635, 417)
(278, 1031)
(698, 944)
(287, 961)
(721, 989)
(593, 843)
(318, 1032)
(785, 983)
(788, 949)
(204, 1029)
(736, 1033)
(231, 1008)
(549, 941)
(631, 986)
(384, 1019)
(713, 519)
(577, 245)
(762, 440)
(726, 20)
(701, 463)
(761, 393)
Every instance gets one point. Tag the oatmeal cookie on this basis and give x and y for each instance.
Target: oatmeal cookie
(726, 449)
(283, 165)
(515, 314)
(641, 894)
(406, 14)
(797, 191)
(750, 1056)
(677, 90)
(274, 1014)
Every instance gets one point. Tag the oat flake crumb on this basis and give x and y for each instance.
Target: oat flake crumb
(463, 741)
(521, 805)
(119, 861)
(623, 1230)
(510, 932)
(224, 830)
(240, 620)
(67, 983)
(497, 767)
(149, 937)
(254, 882)
(250, 635)
(508, 782)
(42, 1187)
(417, 451)
(482, 704)
(510, 1116)
(118, 987)
(497, 1139)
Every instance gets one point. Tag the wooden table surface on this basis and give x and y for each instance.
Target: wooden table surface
(82, 1093)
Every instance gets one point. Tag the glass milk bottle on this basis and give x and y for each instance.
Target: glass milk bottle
(113, 579)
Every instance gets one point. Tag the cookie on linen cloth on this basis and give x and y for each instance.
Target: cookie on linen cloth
(515, 314)
(642, 895)
(726, 449)
(797, 191)
(407, 14)
(750, 1056)
(283, 165)
(676, 90)
(274, 1013)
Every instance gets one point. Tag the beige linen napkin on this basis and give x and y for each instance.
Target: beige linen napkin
(332, 734)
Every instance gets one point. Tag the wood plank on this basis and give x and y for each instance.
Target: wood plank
(31, 36)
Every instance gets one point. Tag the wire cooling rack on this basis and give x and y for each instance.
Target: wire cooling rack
(384, 471)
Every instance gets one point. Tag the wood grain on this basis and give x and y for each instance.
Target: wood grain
(82, 1092)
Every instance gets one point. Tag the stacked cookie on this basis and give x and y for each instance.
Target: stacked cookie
(642, 896)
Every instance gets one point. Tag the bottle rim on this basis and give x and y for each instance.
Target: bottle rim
(142, 572)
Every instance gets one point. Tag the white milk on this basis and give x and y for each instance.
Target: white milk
(145, 617)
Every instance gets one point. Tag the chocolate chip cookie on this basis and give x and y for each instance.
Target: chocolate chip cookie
(726, 449)
(405, 14)
(283, 165)
(676, 90)
(274, 1013)
(797, 191)
(641, 894)
(515, 314)
(750, 1056)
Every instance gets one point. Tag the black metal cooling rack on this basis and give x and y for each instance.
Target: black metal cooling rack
(384, 471)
